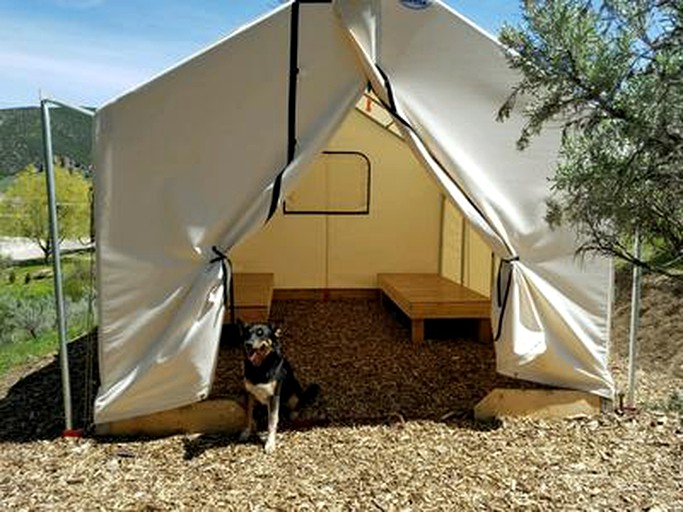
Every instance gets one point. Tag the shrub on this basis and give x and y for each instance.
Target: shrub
(675, 402)
(5, 261)
(34, 315)
(77, 282)
(8, 314)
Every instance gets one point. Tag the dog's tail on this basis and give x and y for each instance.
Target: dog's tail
(301, 399)
(308, 396)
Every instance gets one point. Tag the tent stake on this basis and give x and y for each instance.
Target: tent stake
(635, 320)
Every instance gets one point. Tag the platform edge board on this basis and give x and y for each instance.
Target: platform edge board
(206, 417)
(537, 403)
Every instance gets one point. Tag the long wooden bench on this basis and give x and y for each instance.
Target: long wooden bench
(430, 296)
(253, 296)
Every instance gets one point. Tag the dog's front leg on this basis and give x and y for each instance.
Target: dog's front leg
(273, 417)
(246, 433)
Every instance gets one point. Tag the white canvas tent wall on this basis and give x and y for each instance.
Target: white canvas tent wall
(188, 162)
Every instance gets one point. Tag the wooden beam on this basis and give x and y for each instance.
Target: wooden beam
(484, 331)
(537, 403)
(326, 294)
(210, 416)
(417, 330)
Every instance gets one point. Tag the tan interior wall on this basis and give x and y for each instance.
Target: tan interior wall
(477, 262)
(465, 257)
(291, 247)
(453, 225)
(401, 234)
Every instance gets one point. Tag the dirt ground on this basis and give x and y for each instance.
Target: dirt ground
(392, 429)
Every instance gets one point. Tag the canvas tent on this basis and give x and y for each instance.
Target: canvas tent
(203, 154)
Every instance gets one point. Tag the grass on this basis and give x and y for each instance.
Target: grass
(5, 181)
(16, 353)
(673, 403)
(20, 288)
(35, 287)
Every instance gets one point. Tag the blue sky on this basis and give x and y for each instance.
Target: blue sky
(88, 51)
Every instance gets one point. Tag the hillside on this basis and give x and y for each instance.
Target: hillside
(21, 137)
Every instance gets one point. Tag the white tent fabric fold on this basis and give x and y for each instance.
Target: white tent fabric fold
(187, 162)
(448, 80)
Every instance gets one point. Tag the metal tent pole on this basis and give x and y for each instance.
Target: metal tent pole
(56, 261)
(610, 319)
(635, 320)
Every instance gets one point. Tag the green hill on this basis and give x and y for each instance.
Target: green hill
(21, 138)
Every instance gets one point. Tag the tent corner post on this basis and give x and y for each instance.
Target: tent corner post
(56, 261)
(635, 322)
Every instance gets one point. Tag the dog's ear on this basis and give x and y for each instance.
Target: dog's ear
(276, 343)
(242, 328)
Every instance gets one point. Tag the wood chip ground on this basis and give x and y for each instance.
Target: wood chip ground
(392, 430)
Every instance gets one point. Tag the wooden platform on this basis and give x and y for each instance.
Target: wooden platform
(253, 296)
(431, 296)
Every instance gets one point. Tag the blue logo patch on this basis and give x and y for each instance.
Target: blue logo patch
(416, 4)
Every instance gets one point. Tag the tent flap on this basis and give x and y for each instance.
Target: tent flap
(187, 162)
(448, 80)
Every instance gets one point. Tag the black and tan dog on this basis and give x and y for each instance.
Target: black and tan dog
(269, 379)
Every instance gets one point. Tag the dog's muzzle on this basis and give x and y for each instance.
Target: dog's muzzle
(256, 355)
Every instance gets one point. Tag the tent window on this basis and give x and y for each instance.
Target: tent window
(338, 183)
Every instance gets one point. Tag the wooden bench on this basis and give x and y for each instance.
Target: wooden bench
(253, 295)
(430, 296)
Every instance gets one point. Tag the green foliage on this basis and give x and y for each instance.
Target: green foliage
(77, 281)
(21, 141)
(18, 352)
(9, 306)
(36, 287)
(25, 206)
(34, 315)
(673, 403)
(611, 73)
(14, 354)
(15, 282)
(4, 182)
(27, 311)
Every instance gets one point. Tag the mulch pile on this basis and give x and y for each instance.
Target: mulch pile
(392, 429)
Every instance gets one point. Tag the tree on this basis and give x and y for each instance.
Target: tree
(611, 73)
(25, 206)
